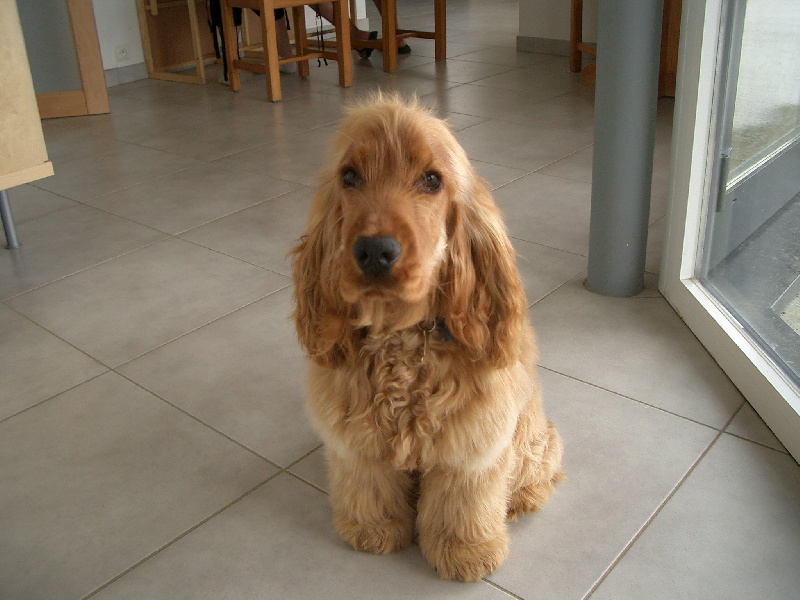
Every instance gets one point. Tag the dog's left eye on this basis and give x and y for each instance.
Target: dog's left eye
(430, 182)
(350, 178)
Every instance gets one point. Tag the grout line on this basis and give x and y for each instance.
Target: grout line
(199, 327)
(296, 476)
(181, 536)
(200, 421)
(501, 588)
(305, 456)
(763, 445)
(660, 507)
(50, 398)
(654, 407)
(97, 264)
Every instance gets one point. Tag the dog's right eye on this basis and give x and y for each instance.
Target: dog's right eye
(350, 178)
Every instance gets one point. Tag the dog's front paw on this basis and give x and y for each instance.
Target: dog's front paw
(454, 559)
(377, 539)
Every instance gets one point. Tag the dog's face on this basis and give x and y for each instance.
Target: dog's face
(402, 230)
(395, 181)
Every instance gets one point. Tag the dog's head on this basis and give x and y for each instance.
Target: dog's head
(401, 230)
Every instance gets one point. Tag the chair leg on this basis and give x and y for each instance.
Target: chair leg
(389, 24)
(344, 57)
(269, 37)
(575, 35)
(440, 29)
(300, 39)
(230, 45)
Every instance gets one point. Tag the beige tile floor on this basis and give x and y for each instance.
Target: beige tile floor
(152, 436)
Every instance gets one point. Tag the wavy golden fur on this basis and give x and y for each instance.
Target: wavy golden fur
(422, 378)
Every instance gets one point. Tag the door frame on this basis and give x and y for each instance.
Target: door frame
(92, 99)
(765, 386)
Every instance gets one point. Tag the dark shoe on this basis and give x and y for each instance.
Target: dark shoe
(404, 49)
(365, 53)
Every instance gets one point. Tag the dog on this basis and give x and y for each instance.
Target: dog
(422, 373)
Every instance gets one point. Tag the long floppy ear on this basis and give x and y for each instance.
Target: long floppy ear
(482, 298)
(320, 315)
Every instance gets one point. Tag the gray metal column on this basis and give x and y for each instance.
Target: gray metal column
(8, 221)
(628, 51)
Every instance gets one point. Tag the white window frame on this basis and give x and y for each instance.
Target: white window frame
(765, 386)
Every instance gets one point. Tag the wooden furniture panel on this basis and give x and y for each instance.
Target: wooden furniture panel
(176, 39)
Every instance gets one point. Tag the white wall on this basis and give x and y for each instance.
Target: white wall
(549, 19)
(118, 25)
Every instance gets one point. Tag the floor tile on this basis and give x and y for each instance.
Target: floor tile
(748, 425)
(576, 166)
(192, 197)
(498, 55)
(222, 136)
(481, 101)
(125, 165)
(125, 307)
(262, 235)
(621, 459)
(540, 82)
(497, 175)
(548, 210)
(297, 158)
(571, 113)
(65, 143)
(508, 144)
(457, 71)
(637, 347)
(311, 110)
(313, 469)
(227, 557)
(243, 375)
(543, 269)
(732, 530)
(41, 365)
(90, 482)
(141, 120)
(29, 202)
(64, 242)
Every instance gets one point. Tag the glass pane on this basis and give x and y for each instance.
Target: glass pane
(751, 253)
(51, 48)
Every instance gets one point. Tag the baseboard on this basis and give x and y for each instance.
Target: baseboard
(539, 45)
(125, 74)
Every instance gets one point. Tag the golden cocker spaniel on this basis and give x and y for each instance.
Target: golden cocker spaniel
(422, 379)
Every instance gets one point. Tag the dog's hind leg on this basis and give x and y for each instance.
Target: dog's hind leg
(373, 504)
(538, 466)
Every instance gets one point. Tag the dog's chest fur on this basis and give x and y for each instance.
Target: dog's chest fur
(404, 389)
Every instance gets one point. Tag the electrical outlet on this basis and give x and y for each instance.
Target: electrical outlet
(123, 53)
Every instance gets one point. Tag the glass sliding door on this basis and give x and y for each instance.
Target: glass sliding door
(750, 256)
(732, 262)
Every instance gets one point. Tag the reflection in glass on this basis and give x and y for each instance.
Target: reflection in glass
(751, 254)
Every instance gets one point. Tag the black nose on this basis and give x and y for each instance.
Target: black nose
(375, 255)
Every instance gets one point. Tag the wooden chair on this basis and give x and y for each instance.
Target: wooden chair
(303, 53)
(392, 34)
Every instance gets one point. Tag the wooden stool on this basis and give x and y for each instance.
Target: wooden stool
(391, 34)
(302, 51)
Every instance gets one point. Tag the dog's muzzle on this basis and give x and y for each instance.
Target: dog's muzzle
(375, 255)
